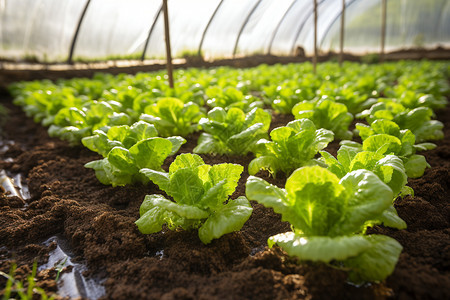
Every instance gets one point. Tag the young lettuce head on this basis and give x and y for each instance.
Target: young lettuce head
(232, 132)
(200, 194)
(292, 146)
(328, 215)
(385, 137)
(325, 113)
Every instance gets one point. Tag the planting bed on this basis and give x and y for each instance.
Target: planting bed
(97, 223)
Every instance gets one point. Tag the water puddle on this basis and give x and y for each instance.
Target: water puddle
(71, 284)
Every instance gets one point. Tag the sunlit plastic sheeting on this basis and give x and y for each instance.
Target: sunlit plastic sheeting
(115, 28)
(328, 11)
(222, 33)
(40, 29)
(257, 33)
(411, 23)
(289, 26)
(188, 20)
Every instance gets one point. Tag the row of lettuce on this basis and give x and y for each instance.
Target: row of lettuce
(136, 122)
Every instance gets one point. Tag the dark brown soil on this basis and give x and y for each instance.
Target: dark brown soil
(98, 221)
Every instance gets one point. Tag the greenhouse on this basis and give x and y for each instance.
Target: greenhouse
(224, 149)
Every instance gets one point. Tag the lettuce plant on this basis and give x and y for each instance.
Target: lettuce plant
(126, 136)
(388, 168)
(72, 123)
(292, 147)
(42, 100)
(327, 114)
(173, 117)
(231, 97)
(232, 132)
(200, 194)
(385, 137)
(328, 215)
(126, 150)
(412, 99)
(418, 120)
(283, 97)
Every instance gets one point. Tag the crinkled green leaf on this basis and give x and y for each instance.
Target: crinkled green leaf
(320, 248)
(228, 218)
(327, 114)
(151, 153)
(151, 221)
(375, 263)
(292, 146)
(233, 132)
(382, 144)
(98, 166)
(319, 199)
(333, 164)
(185, 187)
(424, 146)
(269, 195)
(230, 172)
(100, 143)
(207, 144)
(161, 179)
(368, 198)
(177, 142)
(391, 170)
(269, 163)
(390, 218)
(173, 117)
(142, 130)
(183, 210)
(415, 166)
(121, 159)
(185, 160)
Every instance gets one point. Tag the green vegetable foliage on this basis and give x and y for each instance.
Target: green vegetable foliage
(292, 146)
(173, 117)
(327, 114)
(328, 216)
(200, 194)
(232, 132)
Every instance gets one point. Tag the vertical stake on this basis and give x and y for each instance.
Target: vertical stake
(314, 60)
(383, 29)
(167, 37)
(341, 42)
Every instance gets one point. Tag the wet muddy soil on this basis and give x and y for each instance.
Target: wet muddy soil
(97, 223)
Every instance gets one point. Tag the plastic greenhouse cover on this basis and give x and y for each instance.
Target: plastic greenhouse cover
(188, 20)
(409, 23)
(115, 28)
(222, 33)
(255, 38)
(39, 29)
(45, 29)
(292, 23)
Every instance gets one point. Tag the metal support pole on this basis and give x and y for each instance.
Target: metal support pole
(274, 34)
(77, 31)
(314, 60)
(168, 50)
(207, 27)
(150, 33)
(243, 26)
(383, 29)
(341, 42)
